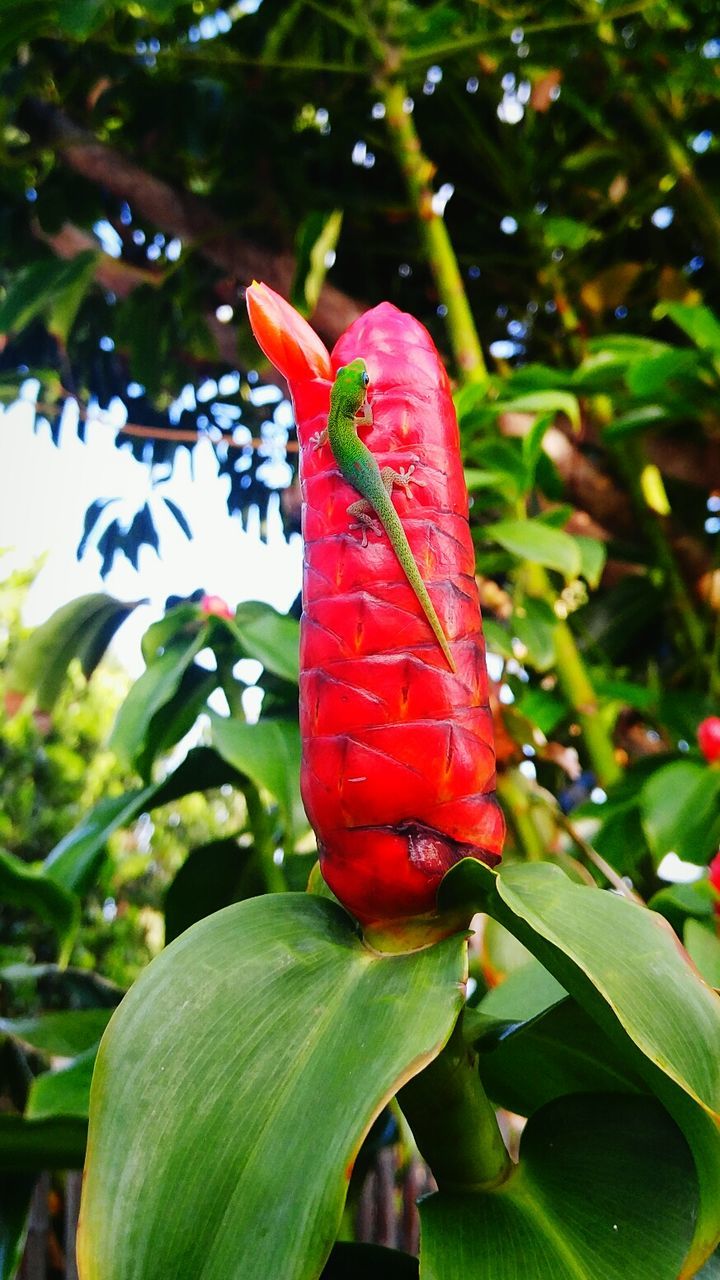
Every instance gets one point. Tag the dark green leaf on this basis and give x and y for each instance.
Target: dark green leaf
(268, 753)
(211, 877)
(149, 694)
(15, 1196)
(35, 1145)
(27, 888)
(594, 1171)
(680, 807)
(532, 540)
(317, 238)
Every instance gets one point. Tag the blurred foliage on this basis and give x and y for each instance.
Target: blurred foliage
(571, 149)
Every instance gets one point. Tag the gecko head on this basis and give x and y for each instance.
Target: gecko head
(349, 392)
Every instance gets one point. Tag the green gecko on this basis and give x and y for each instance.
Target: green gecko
(349, 408)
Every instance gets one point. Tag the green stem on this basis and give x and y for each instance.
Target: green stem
(453, 1121)
(576, 684)
(518, 806)
(418, 171)
(631, 461)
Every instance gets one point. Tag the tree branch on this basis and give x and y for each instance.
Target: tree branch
(179, 213)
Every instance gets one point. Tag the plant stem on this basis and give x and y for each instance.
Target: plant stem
(631, 462)
(418, 171)
(576, 684)
(518, 807)
(453, 1121)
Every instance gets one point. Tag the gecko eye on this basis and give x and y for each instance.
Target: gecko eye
(366, 379)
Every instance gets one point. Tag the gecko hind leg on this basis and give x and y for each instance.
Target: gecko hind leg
(363, 512)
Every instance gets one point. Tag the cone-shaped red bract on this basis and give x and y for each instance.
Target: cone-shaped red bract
(398, 765)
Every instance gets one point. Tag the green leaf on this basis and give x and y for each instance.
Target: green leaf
(566, 233)
(35, 1145)
(63, 1034)
(703, 947)
(79, 18)
(636, 420)
(544, 402)
(315, 242)
(211, 877)
(268, 753)
(523, 995)
(42, 287)
(150, 693)
(594, 1172)
(66, 303)
(204, 1090)
(641, 989)
(172, 721)
(73, 861)
(680, 805)
(525, 1065)
(537, 542)
(699, 323)
(678, 901)
(63, 1093)
(593, 555)
(272, 638)
(81, 629)
(26, 887)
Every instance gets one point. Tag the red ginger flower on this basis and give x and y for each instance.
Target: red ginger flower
(708, 735)
(398, 766)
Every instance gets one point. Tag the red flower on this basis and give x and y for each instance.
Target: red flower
(708, 735)
(714, 878)
(398, 767)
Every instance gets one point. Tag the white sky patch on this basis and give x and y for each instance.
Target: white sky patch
(44, 493)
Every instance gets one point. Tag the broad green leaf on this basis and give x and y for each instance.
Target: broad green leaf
(593, 555)
(15, 1195)
(594, 1172)
(73, 861)
(79, 18)
(204, 1090)
(268, 753)
(700, 324)
(81, 629)
(62, 1093)
(369, 1262)
(63, 1034)
(26, 887)
(545, 402)
(560, 1051)
(150, 693)
(680, 805)
(703, 947)
(678, 901)
(34, 1145)
(641, 989)
(523, 995)
(636, 420)
(532, 540)
(315, 244)
(172, 721)
(211, 877)
(272, 638)
(183, 618)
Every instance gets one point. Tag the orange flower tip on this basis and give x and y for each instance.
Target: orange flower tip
(286, 338)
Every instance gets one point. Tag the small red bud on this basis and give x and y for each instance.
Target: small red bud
(216, 607)
(708, 736)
